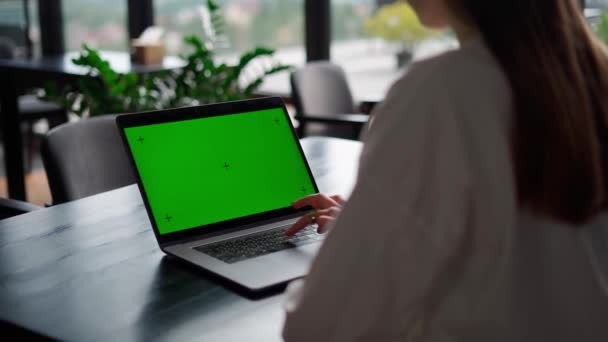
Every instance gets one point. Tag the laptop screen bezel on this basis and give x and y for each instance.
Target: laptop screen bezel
(125, 121)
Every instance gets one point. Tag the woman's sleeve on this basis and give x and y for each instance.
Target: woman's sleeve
(384, 261)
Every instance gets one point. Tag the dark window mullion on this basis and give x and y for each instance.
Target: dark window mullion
(140, 16)
(50, 16)
(317, 21)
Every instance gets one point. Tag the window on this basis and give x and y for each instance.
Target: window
(596, 12)
(366, 61)
(367, 41)
(34, 28)
(100, 23)
(277, 24)
(13, 25)
(596, 3)
(249, 23)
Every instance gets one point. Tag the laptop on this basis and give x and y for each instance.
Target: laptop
(218, 181)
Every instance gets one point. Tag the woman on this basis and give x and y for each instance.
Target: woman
(481, 184)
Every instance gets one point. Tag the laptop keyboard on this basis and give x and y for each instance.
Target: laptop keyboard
(254, 245)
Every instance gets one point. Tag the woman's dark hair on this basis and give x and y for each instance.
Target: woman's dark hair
(558, 72)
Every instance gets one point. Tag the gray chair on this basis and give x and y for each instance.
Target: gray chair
(324, 103)
(11, 207)
(85, 158)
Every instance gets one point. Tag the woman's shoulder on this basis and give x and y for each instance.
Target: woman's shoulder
(466, 73)
(459, 93)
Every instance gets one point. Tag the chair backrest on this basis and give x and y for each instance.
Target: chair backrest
(321, 88)
(85, 158)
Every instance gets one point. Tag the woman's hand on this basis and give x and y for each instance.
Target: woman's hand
(326, 210)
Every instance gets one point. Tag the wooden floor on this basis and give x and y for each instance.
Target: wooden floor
(37, 188)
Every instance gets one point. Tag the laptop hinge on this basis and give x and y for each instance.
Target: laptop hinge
(230, 230)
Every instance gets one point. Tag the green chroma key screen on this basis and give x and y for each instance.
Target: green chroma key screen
(202, 171)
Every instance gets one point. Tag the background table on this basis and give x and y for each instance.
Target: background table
(20, 74)
(91, 270)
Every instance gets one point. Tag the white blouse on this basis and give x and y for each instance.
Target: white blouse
(431, 245)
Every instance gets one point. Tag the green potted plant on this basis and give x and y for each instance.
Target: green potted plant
(204, 78)
(397, 23)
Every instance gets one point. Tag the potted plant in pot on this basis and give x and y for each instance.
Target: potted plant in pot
(204, 78)
(398, 24)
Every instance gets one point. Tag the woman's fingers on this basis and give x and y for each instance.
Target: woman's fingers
(326, 209)
(317, 201)
(322, 217)
(333, 212)
(323, 222)
(300, 224)
(338, 199)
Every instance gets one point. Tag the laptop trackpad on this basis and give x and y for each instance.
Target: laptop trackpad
(276, 267)
(258, 272)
